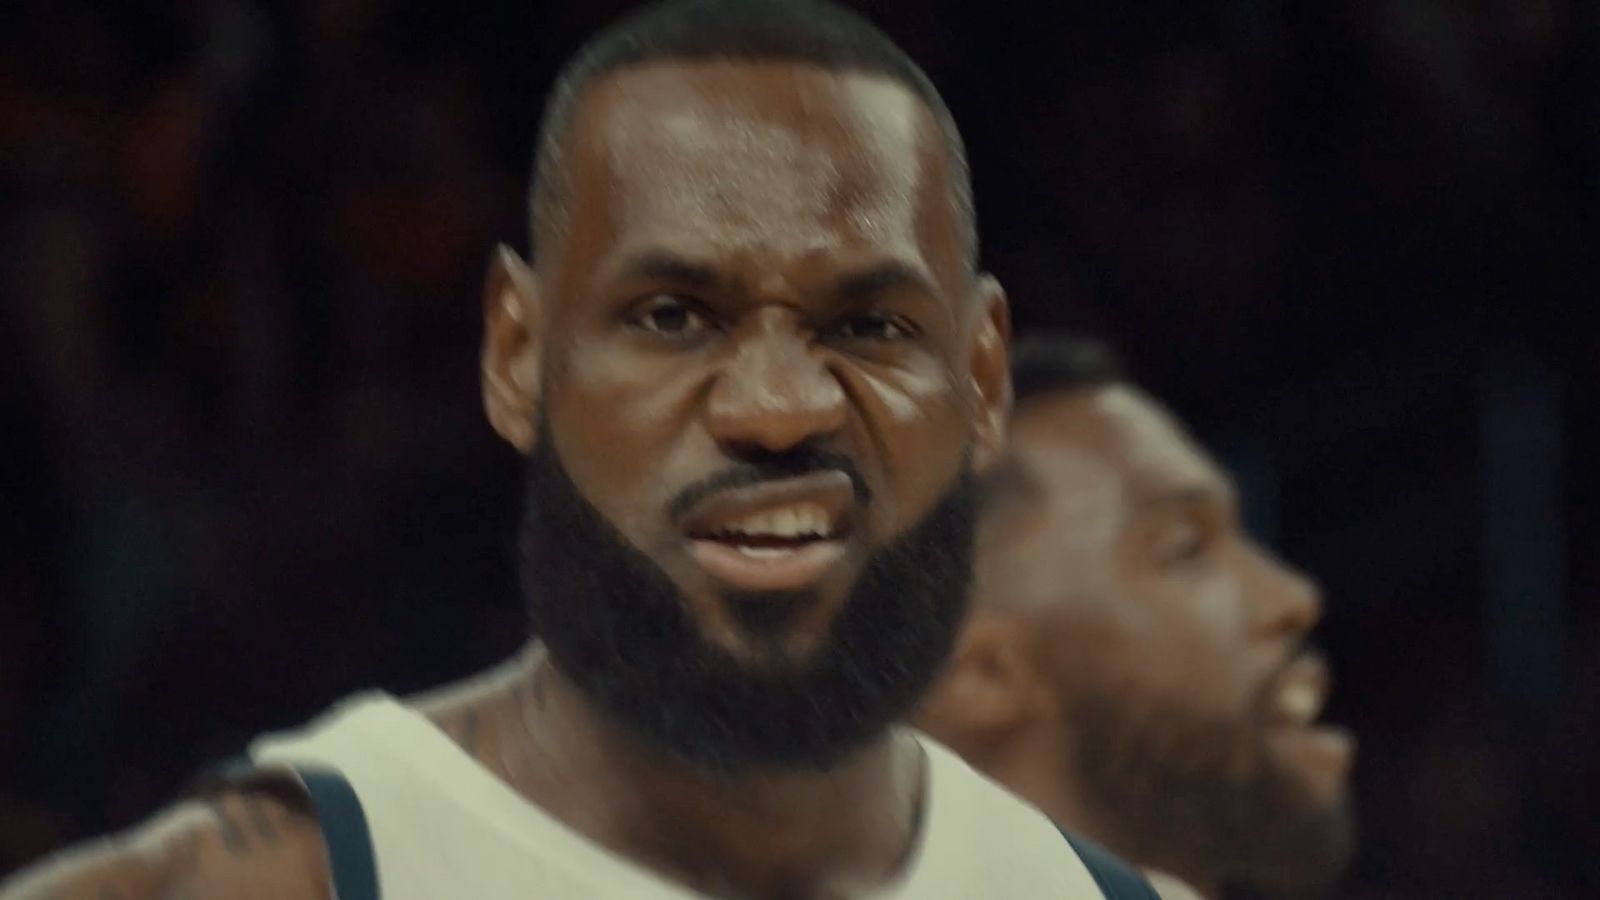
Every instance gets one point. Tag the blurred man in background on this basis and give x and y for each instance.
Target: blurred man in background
(1135, 664)
(756, 372)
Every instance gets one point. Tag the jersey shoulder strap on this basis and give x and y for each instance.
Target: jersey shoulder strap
(344, 830)
(1117, 880)
(352, 862)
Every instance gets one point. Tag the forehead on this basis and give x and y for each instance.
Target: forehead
(775, 156)
(1112, 441)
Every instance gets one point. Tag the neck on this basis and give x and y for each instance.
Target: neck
(768, 833)
(1036, 766)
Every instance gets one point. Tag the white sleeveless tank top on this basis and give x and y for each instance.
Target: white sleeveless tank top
(442, 826)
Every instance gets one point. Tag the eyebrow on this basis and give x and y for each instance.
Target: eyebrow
(884, 276)
(850, 288)
(1188, 495)
(661, 265)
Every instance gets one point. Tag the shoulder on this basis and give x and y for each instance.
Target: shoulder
(1017, 836)
(261, 843)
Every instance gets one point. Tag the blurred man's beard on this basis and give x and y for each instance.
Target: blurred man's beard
(1203, 797)
(617, 626)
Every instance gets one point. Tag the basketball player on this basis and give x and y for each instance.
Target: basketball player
(1135, 664)
(754, 370)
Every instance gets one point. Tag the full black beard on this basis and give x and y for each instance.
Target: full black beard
(615, 624)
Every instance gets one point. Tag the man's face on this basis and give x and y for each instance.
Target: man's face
(1173, 644)
(755, 342)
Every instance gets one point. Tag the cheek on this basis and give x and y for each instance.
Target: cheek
(1161, 642)
(1199, 653)
(618, 422)
(918, 429)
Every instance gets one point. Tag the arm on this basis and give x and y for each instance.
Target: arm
(248, 845)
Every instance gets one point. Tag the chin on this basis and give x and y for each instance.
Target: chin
(772, 631)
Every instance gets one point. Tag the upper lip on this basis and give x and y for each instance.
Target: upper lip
(832, 490)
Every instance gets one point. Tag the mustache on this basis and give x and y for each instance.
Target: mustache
(794, 463)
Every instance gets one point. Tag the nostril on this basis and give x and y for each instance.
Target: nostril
(801, 458)
(748, 451)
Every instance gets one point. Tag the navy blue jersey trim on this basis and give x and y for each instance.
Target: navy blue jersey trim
(1116, 879)
(352, 863)
(351, 860)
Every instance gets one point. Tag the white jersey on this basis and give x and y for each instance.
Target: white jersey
(413, 817)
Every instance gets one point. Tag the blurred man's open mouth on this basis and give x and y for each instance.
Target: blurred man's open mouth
(782, 535)
(1292, 706)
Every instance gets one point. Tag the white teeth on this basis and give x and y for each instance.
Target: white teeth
(764, 552)
(760, 523)
(1299, 703)
(785, 522)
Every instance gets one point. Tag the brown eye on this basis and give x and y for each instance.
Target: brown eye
(671, 316)
(873, 327)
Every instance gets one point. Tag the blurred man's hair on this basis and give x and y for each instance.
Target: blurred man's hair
(803, 31)
(1051, 363)
(1042, 365)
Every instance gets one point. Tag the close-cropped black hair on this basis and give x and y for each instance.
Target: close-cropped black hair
(1041, 365)
(1047, 363)
(803, 31)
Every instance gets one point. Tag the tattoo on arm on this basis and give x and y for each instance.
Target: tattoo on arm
(233, 837)
(257, 811)
(237, 845)
(242, 823)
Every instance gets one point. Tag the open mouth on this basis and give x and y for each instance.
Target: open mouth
(771, 533)
(1297, 695)
(1292, 708)
(776, 536)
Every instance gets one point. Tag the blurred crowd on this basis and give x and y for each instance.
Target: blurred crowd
(241, 250)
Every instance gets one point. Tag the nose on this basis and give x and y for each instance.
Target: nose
(774, 393)
(1287, 602)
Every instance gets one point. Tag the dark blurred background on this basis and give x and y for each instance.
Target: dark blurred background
(245, 470)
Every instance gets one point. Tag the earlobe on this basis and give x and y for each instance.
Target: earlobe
(510, 360)
(991, 371)
(984, 693)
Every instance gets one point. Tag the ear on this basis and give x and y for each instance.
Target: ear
(511, 348)
(991, 371)
(988, 686)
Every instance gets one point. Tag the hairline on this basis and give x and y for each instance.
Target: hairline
(551, 185)
(1035, 403)
(1015, 483)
